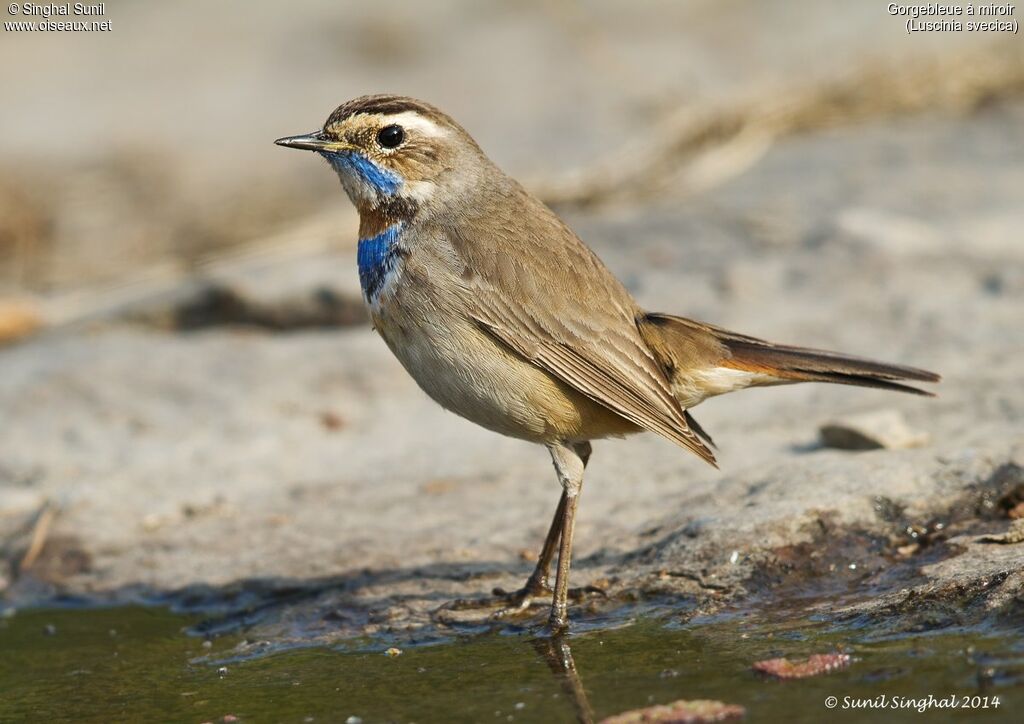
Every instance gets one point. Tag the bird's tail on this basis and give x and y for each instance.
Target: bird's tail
(702, 361)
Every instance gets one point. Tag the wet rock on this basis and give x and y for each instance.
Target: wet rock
(696, 711)
(871, 431)
(815, 665)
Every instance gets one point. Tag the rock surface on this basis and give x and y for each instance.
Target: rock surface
(297, 481)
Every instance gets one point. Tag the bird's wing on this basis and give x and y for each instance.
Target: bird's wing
(535, 287)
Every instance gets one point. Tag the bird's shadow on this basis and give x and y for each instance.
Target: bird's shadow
(379, 603)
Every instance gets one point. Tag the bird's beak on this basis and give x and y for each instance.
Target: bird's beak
(312, 142)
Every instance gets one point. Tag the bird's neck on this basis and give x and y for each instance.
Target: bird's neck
(375, 220)
(380, 249)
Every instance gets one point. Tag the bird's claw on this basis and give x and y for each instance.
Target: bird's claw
(584, 592)
(521, 602)
(506, 601)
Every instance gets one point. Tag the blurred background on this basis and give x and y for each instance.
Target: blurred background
(190, 393)
(134, 156)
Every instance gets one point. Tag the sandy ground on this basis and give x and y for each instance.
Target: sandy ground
(289, 476)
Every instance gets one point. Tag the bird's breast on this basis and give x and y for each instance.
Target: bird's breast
(380, 258)
(428, 327)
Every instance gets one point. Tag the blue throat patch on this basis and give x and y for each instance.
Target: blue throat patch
(381, 179)
(377, 256)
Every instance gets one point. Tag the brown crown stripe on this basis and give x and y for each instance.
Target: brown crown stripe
(387, 104)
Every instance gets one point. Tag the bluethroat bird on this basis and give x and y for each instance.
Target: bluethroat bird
(503, 316)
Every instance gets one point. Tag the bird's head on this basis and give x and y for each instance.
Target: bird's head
(394, 154)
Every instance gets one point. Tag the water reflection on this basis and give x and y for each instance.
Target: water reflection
(556, 652)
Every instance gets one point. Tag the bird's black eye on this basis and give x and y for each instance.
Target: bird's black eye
(390, 136)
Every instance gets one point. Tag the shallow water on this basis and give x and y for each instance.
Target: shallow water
(140, 664)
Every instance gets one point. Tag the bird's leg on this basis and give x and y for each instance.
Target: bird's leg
(522, 600)
(516, 602)
(538, 580)
(537, 583)
(569, 466)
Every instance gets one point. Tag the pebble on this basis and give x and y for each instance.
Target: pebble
(812, 666)
(697, 711)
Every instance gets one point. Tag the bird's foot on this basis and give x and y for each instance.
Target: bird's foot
(522, 602)
(508, 603)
